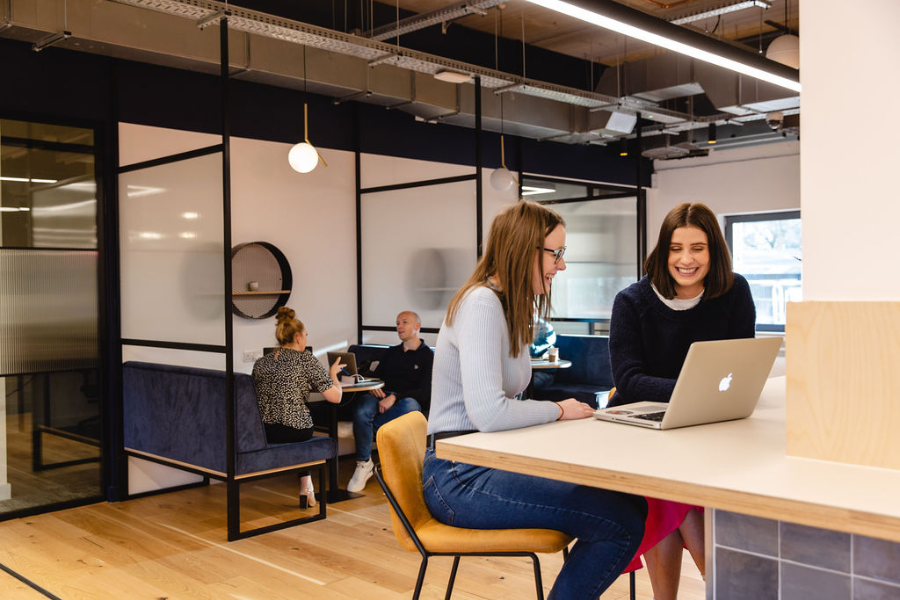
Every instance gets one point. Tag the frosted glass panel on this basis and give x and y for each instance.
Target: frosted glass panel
(48, 310)
(418, 248)
(65, 215)
(601, 256)
(172, 252)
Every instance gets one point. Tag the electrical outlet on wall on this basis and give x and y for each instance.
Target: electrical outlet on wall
(249, 356)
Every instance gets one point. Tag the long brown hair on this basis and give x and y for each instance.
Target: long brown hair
(517, 232)
(720, 277)
(287, 326)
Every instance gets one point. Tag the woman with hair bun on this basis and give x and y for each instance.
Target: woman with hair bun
(284, 379)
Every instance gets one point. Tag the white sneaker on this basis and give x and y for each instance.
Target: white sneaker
(361, 475)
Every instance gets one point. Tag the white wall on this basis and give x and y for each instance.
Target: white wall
(730, 181)
(849, 161)
(311, 218)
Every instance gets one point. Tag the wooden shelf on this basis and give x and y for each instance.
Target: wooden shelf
(262, 293)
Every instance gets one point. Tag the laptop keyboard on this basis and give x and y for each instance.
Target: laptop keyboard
(655, 416)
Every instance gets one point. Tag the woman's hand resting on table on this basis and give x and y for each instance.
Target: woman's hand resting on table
(571, 408)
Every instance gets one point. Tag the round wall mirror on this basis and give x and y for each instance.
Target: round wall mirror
(260, 280)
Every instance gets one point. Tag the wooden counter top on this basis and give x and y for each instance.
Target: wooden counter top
(738, 466)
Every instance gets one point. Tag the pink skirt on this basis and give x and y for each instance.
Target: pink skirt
(663, 517)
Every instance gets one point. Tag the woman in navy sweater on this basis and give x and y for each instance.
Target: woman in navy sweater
(689, 294)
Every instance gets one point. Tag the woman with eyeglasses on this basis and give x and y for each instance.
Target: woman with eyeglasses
(689, 294)
(481, 364)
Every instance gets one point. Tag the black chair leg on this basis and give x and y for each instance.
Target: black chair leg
(537, 577)
(631, 582)
(421, 578)
(452, 578)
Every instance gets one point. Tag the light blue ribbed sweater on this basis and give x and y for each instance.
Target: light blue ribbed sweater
(475, 380)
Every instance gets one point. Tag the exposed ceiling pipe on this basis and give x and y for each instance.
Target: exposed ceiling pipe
(541, 110)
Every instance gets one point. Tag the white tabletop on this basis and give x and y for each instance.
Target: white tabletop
(363, 386)
(547, 364)
(738, 465)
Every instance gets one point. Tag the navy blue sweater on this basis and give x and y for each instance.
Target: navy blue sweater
(407, 374)
(648, 341)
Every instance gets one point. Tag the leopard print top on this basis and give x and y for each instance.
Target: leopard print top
(284, 379)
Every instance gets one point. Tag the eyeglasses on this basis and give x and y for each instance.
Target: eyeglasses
(557, 254)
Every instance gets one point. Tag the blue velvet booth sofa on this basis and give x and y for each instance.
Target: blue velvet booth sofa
(176, 416)
(589, 377)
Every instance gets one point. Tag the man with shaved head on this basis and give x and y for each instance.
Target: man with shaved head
(406, 372)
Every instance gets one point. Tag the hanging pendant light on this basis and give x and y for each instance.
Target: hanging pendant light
(785, 49)
(303, 156)
(502, 179)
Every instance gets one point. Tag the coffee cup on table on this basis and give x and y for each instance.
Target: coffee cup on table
(253, 286)
(553, 354)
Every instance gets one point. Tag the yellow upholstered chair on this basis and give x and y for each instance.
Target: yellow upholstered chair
(401, 448)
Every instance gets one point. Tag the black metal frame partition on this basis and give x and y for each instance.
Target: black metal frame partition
(479, 204)
(615, 191)
(231, 480)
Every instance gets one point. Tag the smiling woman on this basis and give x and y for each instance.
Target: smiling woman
(689, 294)
(481, 366)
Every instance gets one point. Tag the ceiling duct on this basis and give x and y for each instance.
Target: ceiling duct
(295, 55)
(612, 123)
(663, 148)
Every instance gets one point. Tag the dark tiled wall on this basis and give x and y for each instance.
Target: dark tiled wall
(762, 559)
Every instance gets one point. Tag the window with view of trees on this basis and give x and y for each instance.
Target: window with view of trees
(766, 249)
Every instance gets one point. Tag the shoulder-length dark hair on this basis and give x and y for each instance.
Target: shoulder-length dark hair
(517, 234)
(720, 277)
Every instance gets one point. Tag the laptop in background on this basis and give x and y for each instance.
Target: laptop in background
(719, 381)
(348, 359)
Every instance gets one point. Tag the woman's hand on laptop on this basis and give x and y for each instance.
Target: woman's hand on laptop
(574, 409)
(334, 371)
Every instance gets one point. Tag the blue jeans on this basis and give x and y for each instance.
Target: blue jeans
(367, 420)
(608, 525)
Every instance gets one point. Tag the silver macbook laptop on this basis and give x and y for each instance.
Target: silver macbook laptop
(719, 381)
(348, 359)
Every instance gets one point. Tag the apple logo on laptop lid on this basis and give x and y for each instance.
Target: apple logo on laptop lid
(725, 383)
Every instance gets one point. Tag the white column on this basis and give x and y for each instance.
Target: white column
(849, 158)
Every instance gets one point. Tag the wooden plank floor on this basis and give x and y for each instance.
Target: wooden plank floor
(174, 546)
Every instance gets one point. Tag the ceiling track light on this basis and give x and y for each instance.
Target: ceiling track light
(635, 24)
(735, 6)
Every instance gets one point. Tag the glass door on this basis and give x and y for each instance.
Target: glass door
(50, 428)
